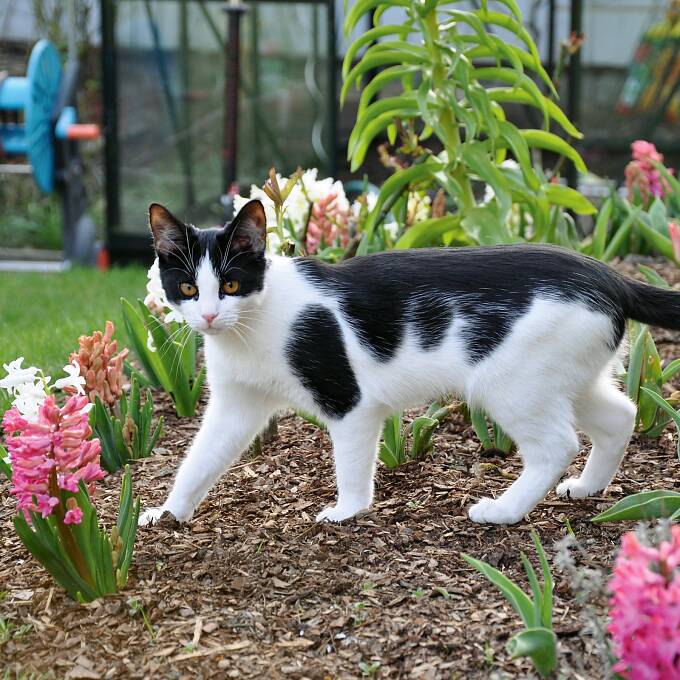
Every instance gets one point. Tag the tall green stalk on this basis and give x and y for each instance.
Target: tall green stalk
(455, 80)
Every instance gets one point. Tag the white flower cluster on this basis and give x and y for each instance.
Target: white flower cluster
(29, 386)
(155, 298)
(307, 191)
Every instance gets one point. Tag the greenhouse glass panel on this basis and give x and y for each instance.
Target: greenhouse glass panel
(170, 82)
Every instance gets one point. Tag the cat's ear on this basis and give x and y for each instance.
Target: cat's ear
(169, 233)
(248, 230)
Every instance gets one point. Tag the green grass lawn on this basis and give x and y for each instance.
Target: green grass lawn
(42, 315)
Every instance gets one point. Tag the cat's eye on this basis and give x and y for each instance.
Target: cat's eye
(188, 289)
(231, 287)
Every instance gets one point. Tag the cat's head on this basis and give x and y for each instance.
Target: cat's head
(211, 275)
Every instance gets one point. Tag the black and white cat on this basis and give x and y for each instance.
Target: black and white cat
(529, 333)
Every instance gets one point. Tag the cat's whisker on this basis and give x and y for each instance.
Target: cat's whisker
(243, 325)
(178, 357)
(231, 259)
(174, 333)
(182, 255)
(239, 335)
(177, 339)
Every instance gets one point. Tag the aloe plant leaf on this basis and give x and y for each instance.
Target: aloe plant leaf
(540, 645)
(513, 593)
(644, 505)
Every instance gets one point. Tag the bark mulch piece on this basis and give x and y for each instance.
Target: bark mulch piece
(253, 588)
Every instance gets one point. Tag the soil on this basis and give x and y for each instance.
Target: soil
(253, 588)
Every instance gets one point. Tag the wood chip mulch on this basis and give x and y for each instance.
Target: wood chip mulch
(253, 588)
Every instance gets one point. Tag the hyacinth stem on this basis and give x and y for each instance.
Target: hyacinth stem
(67, 539)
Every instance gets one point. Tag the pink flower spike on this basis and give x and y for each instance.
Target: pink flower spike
(52, 452)
(674, 232)
(645, 151)
(645, 609)
(642, 176)
(74, 516)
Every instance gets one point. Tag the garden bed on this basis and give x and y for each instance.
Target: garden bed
(252, 587)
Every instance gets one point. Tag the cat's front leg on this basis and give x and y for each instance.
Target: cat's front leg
(355, 447)
(232, 419)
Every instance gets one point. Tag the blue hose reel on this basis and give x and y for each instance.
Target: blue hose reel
(46, 133)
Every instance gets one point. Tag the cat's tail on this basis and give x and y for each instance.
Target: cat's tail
(652, 305)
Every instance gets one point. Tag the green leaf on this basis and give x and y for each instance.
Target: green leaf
(652, 277)
(546, 614)
(662, 244)
(486, 225)
(422, 429)
(474, 22)
(475, 157)
(514, 26)
(519, 148)
(540, 645)
(635, 361)
(534, 97)
(372, 129)
(515, 56)
(43, 543)
(370, 36)
(547, 140)
(535, 590)
(369, 62)
(619, 237)
(396, 185)
(669, 371)
(362, 7)
(601, 228)
(639, 506)
(663, 405)
(481, 427)
(137, 336)
(385, 110)
(558, 194)
(392, 449)
(385, 77)
(5, 467)
(427, 232)
(514, 96)
(517, 598)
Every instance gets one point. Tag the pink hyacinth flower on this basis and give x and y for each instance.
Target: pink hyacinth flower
(74, 516)
(674, 233)
(645, 609)
(51, 454)
(328, 224)
(645, 151)
(642, 175)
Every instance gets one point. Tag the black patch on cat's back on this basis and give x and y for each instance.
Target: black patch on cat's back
(487, 288)
(317, 356)
(380, 308)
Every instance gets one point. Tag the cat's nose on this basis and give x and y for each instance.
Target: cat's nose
(209, 317)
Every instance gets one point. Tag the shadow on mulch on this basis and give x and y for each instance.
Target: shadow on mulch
(253, 588)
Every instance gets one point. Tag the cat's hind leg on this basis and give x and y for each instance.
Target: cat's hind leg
(607, 416)
(547, 444)
(355, 448)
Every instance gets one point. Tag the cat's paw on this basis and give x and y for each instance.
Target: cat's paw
(575, 488)
(490, 511)
(159, 516)
(150, 516)
(337, 513)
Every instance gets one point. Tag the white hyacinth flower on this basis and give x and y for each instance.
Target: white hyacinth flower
(72, 379)
(28, 398)
(16, 375)
(155, 296)
(149, 342)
